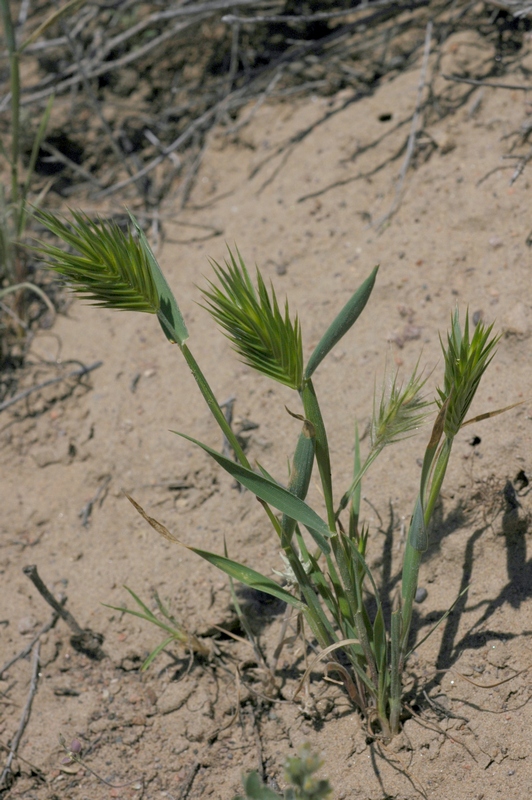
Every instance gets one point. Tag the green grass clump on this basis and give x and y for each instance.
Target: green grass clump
(328, 580)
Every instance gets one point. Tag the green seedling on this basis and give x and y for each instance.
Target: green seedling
(328, 580)
(175, 632)
(299, 774)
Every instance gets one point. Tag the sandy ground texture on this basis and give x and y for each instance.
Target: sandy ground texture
(306, 190)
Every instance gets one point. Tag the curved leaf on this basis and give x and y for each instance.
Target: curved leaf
(341, 324)
(238, 571)
(272, 493)
(248, 576)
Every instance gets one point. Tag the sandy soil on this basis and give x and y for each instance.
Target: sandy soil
(301, 189)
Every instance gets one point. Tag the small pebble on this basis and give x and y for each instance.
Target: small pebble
(421, 594)
(27, 625)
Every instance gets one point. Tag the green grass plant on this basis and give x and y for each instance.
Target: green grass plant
(14, 197)
(299, 774)
(328, 579)
(175, 632)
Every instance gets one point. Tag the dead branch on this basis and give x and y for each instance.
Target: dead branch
(82, 640)
(77, 373)
(304, 18)
(6, 772)
(474, 82)
(86, 511)
(26, 650)
(413, 132)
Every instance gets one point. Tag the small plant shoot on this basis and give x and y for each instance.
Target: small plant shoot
(327, 578)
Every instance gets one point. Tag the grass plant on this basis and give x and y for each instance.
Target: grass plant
(328, 579)
(14, 212)
(175, 632)
(299, 773)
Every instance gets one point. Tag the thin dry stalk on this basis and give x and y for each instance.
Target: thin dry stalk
(77, 373)
(399, 189)
(6, 772)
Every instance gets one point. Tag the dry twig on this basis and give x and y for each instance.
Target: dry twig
(413, 133)
(87, 509)
(6, 772)
(83, 640)
(77, 373)
(474, 82)
(26, 650)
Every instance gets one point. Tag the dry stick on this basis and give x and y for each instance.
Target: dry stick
(85, 641)
(266, 93)
(23, 653)
(370, 19)
(189, 780)
(63, 159)
(77, 373)
(97, 108)
(474, 82)
(23, 13)
(86, 511)
(25, 716)
(96, 71)
(258, 744)
(233, 64)
(522, 161)
(197, 12)
(222, 109)
(180, 11)
(186, 186)
(36, 770)
(413, 131)
(77, 759)
(491, 172)
(153, 139)
(31, 572)
(46, 44)
(216, 111)
(82, 22)
(319, 15)
(181, 139)
(108, 66)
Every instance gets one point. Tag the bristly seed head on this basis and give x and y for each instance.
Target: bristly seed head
(260, 332)
(466, 360)
(109, 267)
(400, 412)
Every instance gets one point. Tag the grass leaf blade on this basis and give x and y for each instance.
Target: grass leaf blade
(248, 576)
(272, 493)
(154, 653)
(235, 570)
(342, 323)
